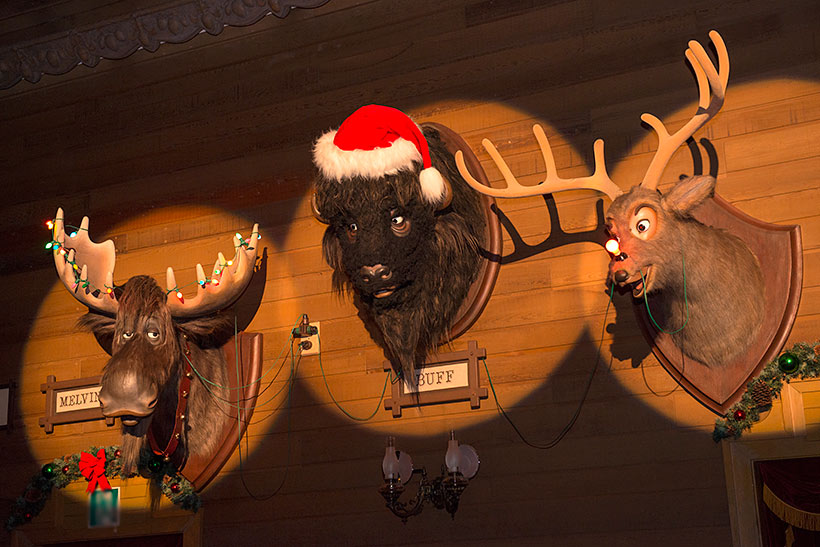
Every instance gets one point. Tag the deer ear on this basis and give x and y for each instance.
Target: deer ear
(688, 194)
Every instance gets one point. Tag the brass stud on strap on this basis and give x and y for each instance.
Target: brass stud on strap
(184, 394)
(189, 374)
(176, 436)
(182, 416)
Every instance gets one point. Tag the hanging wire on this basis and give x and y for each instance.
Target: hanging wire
(294, 365)
(577, 413)
(387, 379)
(685, 301)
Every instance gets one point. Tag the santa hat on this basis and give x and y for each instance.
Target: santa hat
(376, 141)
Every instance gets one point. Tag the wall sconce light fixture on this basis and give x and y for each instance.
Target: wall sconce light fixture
(460, 464)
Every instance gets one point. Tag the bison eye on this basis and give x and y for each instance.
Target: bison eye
(400, 225)
(153, 335)
(127, 335)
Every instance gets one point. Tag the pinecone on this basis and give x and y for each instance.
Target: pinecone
(762, 395)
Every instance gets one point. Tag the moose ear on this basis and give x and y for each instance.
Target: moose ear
(210, 331)
(102, 326)
(688, 194)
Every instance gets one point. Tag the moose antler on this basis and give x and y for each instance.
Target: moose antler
(227, 283)
(85, 268)
(708, 105)
(599, 180)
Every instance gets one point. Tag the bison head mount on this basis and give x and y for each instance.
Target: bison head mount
(155, 337)
(405, 232)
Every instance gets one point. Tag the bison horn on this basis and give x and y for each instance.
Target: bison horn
(447, 198)
(315, 208)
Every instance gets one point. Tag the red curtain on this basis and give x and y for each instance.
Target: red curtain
(794, 501)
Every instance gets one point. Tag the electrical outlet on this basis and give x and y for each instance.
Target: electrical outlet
(310, 344)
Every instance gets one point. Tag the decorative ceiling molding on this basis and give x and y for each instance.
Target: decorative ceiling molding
(175, 23)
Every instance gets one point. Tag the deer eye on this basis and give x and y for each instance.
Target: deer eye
(127, 335)
(642, 225)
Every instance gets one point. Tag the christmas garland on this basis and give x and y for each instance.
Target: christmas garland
(801, 361)
(63, 471)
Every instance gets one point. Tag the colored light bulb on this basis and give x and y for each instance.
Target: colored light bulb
(179, 295)
(50, 224)
(613, 247)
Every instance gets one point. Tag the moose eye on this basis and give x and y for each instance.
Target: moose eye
(127, 335)
(642, 226)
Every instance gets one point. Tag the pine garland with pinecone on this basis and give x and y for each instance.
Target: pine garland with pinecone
(802, 361)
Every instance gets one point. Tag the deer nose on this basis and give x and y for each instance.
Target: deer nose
(377, 272)
(621, 276)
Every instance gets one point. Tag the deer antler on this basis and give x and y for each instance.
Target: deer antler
(85, 268)
(708, 77)
(599, 180)
(228, 281)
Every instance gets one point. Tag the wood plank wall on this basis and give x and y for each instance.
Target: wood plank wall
(170, 153)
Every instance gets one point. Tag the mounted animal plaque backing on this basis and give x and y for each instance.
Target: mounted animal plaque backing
(419, 250)
(715, 291)
(177, 371)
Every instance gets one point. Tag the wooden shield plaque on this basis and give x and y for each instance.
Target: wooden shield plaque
(779, 250)
(244, 389)
(482, 288)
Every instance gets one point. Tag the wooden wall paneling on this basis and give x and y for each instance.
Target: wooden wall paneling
(172, 152)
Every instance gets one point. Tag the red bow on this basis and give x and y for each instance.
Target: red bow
(93, 469)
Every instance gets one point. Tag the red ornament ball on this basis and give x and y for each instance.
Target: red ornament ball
(28, 516)
(175, 488)
(65, 470)
(117, 453)
(740, 414)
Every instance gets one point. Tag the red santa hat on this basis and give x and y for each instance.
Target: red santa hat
(376, 141)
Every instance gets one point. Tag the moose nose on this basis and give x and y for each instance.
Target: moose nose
(377, 272)
(621, 276)
(122, 395)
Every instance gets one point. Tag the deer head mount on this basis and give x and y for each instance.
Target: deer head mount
(691, 274)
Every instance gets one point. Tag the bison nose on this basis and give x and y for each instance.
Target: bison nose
(621, 276)
(377, 272)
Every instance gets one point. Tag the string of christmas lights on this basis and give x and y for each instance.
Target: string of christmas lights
(214, 279)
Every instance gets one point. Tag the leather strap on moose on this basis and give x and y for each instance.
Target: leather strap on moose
(182, 407)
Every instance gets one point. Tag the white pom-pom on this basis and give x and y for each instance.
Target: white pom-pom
(433, 188)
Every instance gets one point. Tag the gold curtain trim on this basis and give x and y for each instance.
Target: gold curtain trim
(790, 514)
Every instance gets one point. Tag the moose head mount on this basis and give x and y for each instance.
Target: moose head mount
(155, 338)
(405, 233)
(696, 271)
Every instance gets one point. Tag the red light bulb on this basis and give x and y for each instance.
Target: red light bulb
(613, 247)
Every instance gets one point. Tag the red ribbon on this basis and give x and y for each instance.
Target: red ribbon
(93, 469)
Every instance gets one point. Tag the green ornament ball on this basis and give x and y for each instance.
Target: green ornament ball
(154, 465)
(788, 363)
(48, 470)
